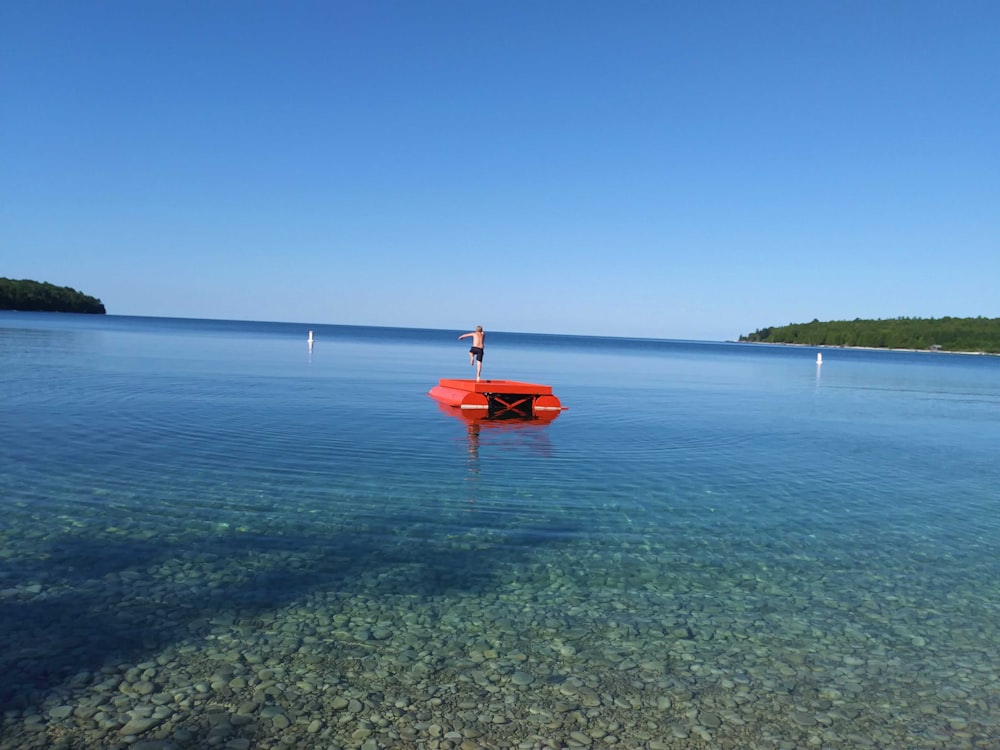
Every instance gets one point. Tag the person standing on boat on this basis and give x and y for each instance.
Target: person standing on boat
(478, 337)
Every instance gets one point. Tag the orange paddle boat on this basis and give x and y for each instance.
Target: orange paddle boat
(498, 399)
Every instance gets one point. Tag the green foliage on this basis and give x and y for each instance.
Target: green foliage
(947, 334)
(37, 296)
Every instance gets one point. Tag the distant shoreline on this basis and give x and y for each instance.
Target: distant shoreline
(869, 348)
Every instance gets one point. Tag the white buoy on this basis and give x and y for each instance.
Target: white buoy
(310, 338)
(819, 358)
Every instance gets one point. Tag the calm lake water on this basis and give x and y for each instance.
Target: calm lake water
(212, 534)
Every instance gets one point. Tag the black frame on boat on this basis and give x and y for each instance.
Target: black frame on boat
(510, 405)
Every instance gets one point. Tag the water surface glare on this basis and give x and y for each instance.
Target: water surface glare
(212, 534)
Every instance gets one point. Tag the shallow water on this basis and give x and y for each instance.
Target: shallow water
(214, 535)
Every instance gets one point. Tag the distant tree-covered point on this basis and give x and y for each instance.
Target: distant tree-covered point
(40, 296)
(936, 334)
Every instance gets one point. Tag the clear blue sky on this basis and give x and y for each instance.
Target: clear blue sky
(657, 169)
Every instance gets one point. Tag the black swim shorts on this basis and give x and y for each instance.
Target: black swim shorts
(477, 352)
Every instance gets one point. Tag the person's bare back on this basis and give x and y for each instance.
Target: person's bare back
(478, 337)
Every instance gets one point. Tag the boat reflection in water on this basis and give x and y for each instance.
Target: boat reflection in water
(531, 432)
(510, 419)
(497, 405)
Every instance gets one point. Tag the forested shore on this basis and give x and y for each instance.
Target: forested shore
(935, 334)
(40, 296)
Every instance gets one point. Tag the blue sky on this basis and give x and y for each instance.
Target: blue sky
(689, 170)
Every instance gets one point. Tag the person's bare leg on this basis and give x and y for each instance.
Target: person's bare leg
(479, 369)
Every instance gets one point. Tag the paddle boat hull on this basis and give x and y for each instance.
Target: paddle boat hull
(498, 399)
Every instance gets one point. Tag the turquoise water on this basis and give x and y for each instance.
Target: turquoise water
(716, 545)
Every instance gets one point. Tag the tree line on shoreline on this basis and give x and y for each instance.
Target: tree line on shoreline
(944, 334)
(40, 296)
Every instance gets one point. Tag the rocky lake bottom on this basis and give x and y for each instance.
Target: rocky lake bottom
(148, 644)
